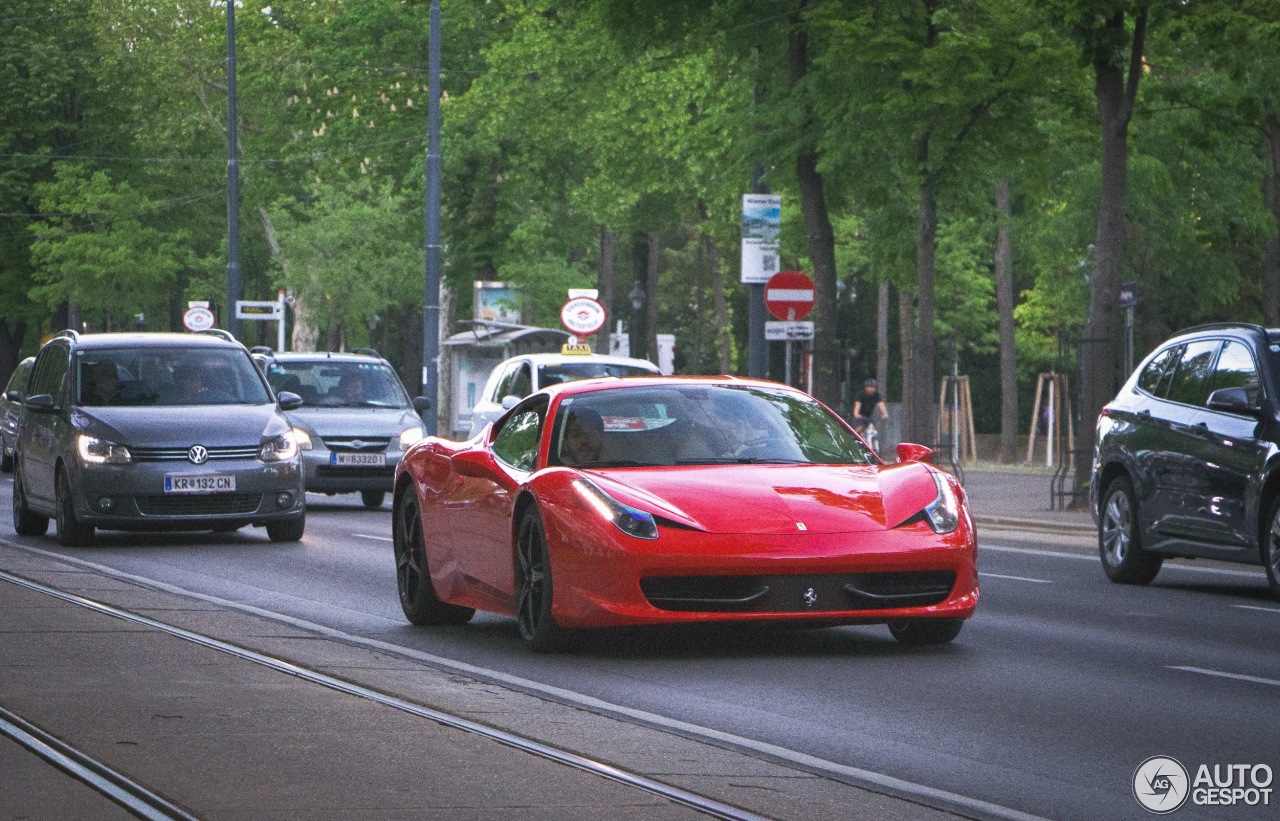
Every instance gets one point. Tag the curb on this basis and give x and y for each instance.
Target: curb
(1039, 525)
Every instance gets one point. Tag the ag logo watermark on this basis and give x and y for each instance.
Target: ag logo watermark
(1161, 785)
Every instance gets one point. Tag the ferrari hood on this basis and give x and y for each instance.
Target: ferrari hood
(779, 499)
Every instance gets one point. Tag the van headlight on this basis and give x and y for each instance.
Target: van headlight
(95, 451)
(280, 449)
(303, 439)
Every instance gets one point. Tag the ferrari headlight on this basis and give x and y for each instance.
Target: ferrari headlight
(410, 435)
(629, 520)
(302, 438)
(95, 451)
(280, 449)
(944, 512)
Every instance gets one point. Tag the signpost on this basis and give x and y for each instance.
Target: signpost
(198, 317)
(1128, 299)
(581, 316)
(264, 310)
(789, 295)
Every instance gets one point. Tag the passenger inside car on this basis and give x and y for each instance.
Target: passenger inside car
(103, 387)
(583, 434)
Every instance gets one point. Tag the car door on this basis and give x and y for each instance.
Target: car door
(43, 433)
(1231, 453)
(481, 505)
(1177, 458)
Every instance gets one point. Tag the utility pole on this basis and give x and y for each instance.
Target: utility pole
(230, 322)
(431, 292)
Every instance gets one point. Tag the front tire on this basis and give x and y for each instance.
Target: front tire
(413, 576)
(1119, 537)
(290, 530)
(372, 498)
(1271, 551)
(538, 627)
(924, 632)
(25, 522)
(71, 531)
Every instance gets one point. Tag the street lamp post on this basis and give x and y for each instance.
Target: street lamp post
(637, 307)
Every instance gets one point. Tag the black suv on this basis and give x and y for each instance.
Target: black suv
(1188, 456)
(154, 431)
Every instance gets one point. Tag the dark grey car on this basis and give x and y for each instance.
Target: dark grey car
(10, 411)
(150, 431)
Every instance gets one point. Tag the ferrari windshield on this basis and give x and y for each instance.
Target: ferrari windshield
(700, 425)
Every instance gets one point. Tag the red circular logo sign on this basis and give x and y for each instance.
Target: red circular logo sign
(582, 316)
(789, 295)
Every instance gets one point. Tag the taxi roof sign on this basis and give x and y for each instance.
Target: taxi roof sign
(580, 349)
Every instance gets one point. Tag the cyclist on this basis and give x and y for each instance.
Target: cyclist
(864, 409)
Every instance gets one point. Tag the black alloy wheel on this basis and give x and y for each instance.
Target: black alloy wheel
(25, 522)
(1271, 550)
(538, 627)
(923, 632)
(1119, 539)
(413, 577)
(71, 531)
(372, 498)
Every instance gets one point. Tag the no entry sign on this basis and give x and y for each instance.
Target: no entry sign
(789, 295)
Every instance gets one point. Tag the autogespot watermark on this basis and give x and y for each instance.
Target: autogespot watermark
(1161, 784)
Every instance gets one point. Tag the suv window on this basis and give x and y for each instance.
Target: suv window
(1236, 369)
(1190, 379)
(51, 374)
(1149, 381)
(522, 385)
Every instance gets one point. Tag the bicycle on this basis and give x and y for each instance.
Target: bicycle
(867, 430)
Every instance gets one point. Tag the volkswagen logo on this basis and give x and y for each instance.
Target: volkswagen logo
(810, 597)
(198, 454)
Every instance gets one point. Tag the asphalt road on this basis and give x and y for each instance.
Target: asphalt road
(1048, 702)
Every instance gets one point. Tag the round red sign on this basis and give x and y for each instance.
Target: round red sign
(582, 316)
(789, 295)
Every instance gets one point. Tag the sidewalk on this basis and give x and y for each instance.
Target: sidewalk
(224, 737)
(1017, 497)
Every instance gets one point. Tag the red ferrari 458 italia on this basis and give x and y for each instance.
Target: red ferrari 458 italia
(680, 499)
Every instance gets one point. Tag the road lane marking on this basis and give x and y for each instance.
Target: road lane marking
(1015, 578)
(1093, 557)
(370, 536)
(857, 776)
(1221, 674)
(1254, 607)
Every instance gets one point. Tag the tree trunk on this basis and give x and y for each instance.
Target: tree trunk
(639, 273)
(907, 332)
(11, 338)
(882, 339)
(724, 337)
(1271, 197)
(1004, 306)
(821, 240)
(604, 284)
(651, 298)
(1115, 97)
(918, 423)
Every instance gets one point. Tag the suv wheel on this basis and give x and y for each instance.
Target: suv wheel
(289, 530)
(25, 523)
(1271, 550)
(71, 531)
(1119, 540)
